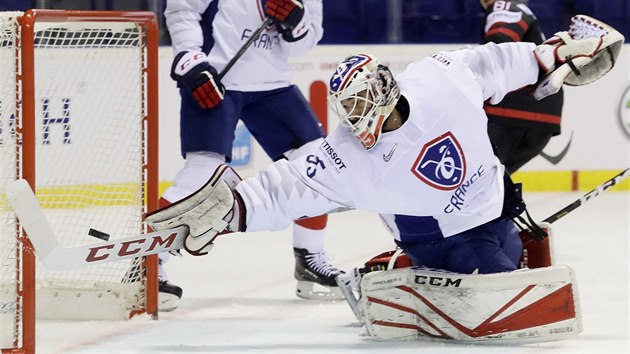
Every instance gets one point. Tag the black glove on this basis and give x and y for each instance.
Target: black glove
(288, 15)
(192, 71)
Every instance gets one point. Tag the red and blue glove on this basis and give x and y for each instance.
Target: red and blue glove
(289, 16)
(197, 76)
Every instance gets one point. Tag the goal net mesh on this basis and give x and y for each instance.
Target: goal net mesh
(89, 161)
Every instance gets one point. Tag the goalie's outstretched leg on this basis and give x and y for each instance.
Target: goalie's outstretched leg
(525, 305)
(489, 248)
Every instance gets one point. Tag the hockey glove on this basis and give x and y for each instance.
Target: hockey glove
(192, 71)
(289, 18)
(211, 211)
(577, 57)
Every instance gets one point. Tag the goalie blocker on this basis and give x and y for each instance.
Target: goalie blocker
(521, 306)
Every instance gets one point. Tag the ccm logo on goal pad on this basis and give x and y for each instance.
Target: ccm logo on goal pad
(131, 247)
(437, 281)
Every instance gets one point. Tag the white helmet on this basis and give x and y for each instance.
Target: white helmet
(363, 93)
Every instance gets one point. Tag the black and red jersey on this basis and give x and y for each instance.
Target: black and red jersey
(513, 21)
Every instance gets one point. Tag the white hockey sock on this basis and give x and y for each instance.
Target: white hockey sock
(199, 166)
(309, 239)
(164, 256)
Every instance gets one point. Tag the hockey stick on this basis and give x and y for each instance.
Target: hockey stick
(56, 257)
(588, 196)
(246, 45)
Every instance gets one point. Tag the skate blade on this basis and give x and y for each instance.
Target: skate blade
(313, 291)
(167, 302)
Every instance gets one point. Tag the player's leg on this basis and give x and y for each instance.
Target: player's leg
(286, 127)
(168, 293)
(418, 303)
(494, 247)
(206, 143)
(490, 248)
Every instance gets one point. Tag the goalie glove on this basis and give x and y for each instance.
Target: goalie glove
(576, 57)
(192, 71)
(213, 210)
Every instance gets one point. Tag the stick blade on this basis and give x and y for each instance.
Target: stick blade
(31, 216)
(56, 257)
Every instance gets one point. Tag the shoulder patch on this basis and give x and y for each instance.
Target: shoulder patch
(442, 59)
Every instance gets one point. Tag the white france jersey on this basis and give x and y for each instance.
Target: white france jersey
(264, 66)
(438, 164)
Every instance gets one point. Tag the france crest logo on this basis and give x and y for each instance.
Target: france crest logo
(441, 163)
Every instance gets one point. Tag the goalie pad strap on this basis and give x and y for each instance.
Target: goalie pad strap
(524, 305)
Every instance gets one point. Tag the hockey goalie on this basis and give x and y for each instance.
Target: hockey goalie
(414, 149)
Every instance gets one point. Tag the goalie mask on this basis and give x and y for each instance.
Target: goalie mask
(363, 93)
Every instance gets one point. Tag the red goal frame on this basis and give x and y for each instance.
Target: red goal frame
(26, 113)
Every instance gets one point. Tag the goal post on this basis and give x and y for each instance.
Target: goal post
(78, 121)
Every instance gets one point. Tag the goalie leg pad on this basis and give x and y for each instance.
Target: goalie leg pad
(350, 287)
(520, 306)
(350, 284)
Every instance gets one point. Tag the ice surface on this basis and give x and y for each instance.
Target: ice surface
(240, 297)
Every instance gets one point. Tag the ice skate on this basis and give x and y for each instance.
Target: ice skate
(315, 276)
(168, 295)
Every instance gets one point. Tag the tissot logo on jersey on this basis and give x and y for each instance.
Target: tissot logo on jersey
(314, 163)
(332, 156)
(441, 163)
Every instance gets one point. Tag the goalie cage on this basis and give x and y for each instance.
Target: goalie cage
(78, 121)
